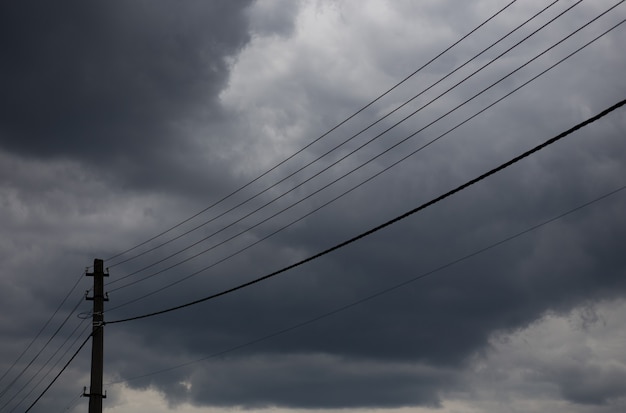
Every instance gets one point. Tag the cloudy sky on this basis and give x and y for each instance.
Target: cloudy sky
(195, 146)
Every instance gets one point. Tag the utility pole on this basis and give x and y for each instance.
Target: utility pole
(97, 347)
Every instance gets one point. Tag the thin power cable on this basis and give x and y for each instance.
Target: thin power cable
(386, 224)
(73, 403)
(305, 166)
(59, 373)
(375, 294)
(6, 389)
(369, 161)
(317, 139)
(56, 363)
(325, 154)
(41, 330)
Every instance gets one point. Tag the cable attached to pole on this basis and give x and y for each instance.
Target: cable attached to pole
(388, 223)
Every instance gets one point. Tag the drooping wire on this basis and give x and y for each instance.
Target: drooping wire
(377, 293)
(336, 161)
(385, 224)
(404, 80)
(369, 161)
(59, 373)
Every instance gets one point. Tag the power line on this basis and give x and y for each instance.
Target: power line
(274, 334)
(39, 333)
(388, 223)
(6, 389)
(154, 313)
(315, 140)
(388, 167)
(378, 293)
(118, 279)
(59, 373)
(46, 364)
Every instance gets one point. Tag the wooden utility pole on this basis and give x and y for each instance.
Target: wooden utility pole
(97, 347)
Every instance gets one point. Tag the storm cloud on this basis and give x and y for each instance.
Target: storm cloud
(121, 120)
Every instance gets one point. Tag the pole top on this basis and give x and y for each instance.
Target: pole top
(98, 268)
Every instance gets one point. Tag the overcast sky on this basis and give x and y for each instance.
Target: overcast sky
(120, 120)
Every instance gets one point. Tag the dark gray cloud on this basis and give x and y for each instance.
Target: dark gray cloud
(114, 85)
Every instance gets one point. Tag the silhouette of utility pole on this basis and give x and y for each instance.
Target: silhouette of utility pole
(97, 347)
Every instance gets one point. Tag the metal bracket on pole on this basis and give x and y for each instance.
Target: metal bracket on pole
(85, 394)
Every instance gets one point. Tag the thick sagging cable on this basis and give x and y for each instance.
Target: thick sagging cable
(386, 224)
(377, 293)
(370, 178)
(385, 169)
(312, 142)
